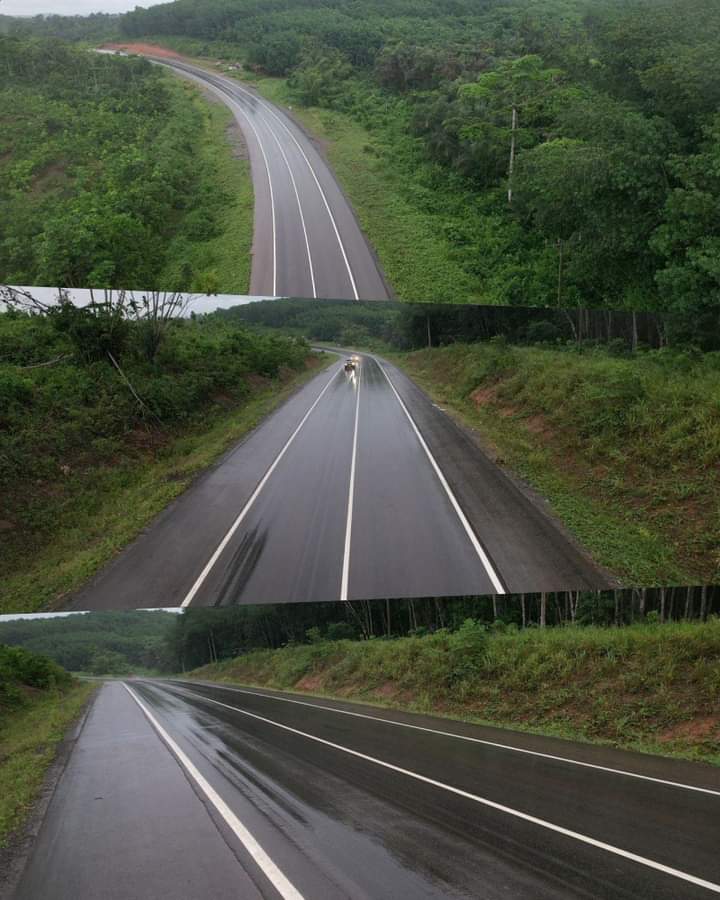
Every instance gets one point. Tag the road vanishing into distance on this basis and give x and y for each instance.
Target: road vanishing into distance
(182, 790)
(357, 487)
(307, 241)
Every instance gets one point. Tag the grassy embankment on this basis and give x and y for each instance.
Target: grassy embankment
(393, 209)
(38, 703)
(83, 469)
(653, 688)
(626, 449)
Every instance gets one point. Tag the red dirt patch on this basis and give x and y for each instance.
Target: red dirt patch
(309, 683)
(143, 50)
(146, 439)
(483, 396)
(695, 729)
(538, 425)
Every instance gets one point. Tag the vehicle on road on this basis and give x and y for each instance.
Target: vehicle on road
(350, 365)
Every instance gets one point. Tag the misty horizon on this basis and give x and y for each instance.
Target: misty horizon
(27, 9)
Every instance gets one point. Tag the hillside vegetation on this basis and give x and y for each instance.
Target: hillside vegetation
(114, 174)
(38, 702)
(611, 107)
(105, 418)
(646, 687)
(108, 643)
(626, 447)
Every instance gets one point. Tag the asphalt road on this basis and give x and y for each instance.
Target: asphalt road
(358, 487)
(183, 790)
(307, 241)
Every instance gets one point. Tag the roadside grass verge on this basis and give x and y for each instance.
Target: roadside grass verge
(95, 511)
(217, 252)
(626, 450)
(653, 688)
(34, 717)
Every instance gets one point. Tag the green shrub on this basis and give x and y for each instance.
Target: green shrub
(19, 668)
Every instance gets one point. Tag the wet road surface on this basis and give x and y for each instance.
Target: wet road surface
(358, 487)
(307, 241)
(182, 790)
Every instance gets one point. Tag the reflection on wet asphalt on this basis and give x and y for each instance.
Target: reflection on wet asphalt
(374, 834)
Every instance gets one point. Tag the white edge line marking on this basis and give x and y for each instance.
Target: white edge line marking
(271, 871)
(508, 810)
(492, 574)
(472, 740)
(236, 524)
(351, 495)
(272, 112)
(191, 72)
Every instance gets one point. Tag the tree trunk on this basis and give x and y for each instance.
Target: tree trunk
(560, 271)
(511, 167)
(543, 609)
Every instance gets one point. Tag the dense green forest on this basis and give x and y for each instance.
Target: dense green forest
(102, 401)
(409, 326)
(110, 175)
(113, 643)
(610, 106)
(561, 151)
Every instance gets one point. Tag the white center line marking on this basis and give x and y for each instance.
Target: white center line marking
(236, 524)
(472, 740)
(484, 801)
(351, 495)
(275, 876)
(484, 559)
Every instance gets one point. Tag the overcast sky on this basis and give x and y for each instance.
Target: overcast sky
(70, 7)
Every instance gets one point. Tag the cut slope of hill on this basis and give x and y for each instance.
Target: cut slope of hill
(643, 687)
(626, 448)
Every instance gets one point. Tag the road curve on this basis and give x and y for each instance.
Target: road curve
(183, 789)
(358, 487)
(307, 241)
